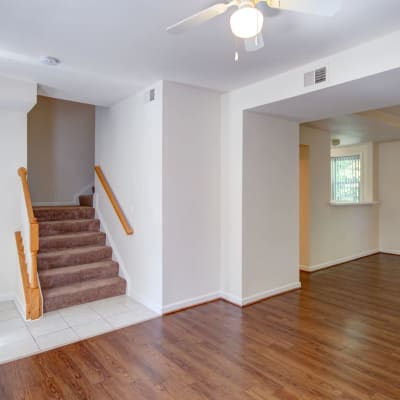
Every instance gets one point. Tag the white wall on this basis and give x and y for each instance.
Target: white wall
(369, 59)
(60, 150)
(270, 206)
(12, 156)
(389, 194)
(337, 233)
(191, 179)
(16, 98)
(129, 150)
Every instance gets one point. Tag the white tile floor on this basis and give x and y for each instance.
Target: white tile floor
(20, 338)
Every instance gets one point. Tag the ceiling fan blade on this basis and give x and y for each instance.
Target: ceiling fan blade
(315, 7)
(254, 43)
(200, 17)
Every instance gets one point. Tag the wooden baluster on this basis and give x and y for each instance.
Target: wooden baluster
(36, 306)
(35, 300)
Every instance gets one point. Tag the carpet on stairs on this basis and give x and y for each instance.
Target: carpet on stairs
(75, 265)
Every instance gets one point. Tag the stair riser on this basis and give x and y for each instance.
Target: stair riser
(50, 244)
(46, 260)
(85, 296)
(47, 229)
(86, 200)
(75, 277)
(64, 214)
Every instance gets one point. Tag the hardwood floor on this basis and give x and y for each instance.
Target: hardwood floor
(337, 338)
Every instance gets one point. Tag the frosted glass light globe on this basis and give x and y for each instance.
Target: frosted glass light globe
(247, 22)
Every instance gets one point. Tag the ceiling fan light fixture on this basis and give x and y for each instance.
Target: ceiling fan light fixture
(246, 22)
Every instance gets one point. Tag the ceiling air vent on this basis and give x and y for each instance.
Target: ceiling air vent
(314, 77)
(150, 95)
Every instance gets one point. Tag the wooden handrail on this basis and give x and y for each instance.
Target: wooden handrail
(23, 173)
(35, 296)
(128, 229)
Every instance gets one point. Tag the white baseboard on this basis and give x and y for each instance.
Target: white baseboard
(190, 302)
(231, 298)
(149, 304)
(52, 203)
(269, 293)
(236, 300)
(390, 251)
(342, 260)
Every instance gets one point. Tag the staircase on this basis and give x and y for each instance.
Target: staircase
(74, 264)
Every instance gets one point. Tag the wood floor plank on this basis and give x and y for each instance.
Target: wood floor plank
(336, 338)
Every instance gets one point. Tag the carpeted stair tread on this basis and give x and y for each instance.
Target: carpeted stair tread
(74, 263)
(68, 240)
(63, 213)
(73, 256)
(62, 276)
(82, 292)
(48, 228)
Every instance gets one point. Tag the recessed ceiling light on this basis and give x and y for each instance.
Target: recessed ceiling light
(48, 60)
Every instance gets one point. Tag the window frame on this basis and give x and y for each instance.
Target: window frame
(362, 178)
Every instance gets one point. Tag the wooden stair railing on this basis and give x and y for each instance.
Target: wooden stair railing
(124, 222)
(33, 296)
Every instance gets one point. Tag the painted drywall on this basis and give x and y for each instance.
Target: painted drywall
(12, 156)
(16, 95)
(389, 196)
(368, 60)
(129, 150)
(16, 99)
(336, 232)
(60, 150)
(270, 206)
(191, 198)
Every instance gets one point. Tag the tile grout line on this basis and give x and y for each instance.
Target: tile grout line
(124, 310)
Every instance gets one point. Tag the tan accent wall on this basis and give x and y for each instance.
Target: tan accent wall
(60, 149)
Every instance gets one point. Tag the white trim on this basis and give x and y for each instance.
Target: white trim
(390, 251)
(52, 203)
(191, 302)
(270, 293)
(238, 301)
(143, 300)
(339, 261)
(361, 203)
(231, 298)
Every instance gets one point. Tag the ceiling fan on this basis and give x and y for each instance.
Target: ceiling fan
(247, 20)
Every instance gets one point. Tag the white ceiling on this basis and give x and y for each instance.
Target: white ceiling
(371, 126)
(360, 111)
(109, 48)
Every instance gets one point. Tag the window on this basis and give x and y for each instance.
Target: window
(346, 178)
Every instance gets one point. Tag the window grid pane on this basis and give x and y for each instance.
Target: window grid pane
(346, 178)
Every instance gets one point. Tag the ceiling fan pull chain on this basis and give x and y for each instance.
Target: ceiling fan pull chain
(236, 56)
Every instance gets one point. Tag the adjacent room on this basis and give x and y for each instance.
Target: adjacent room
(200, 200)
